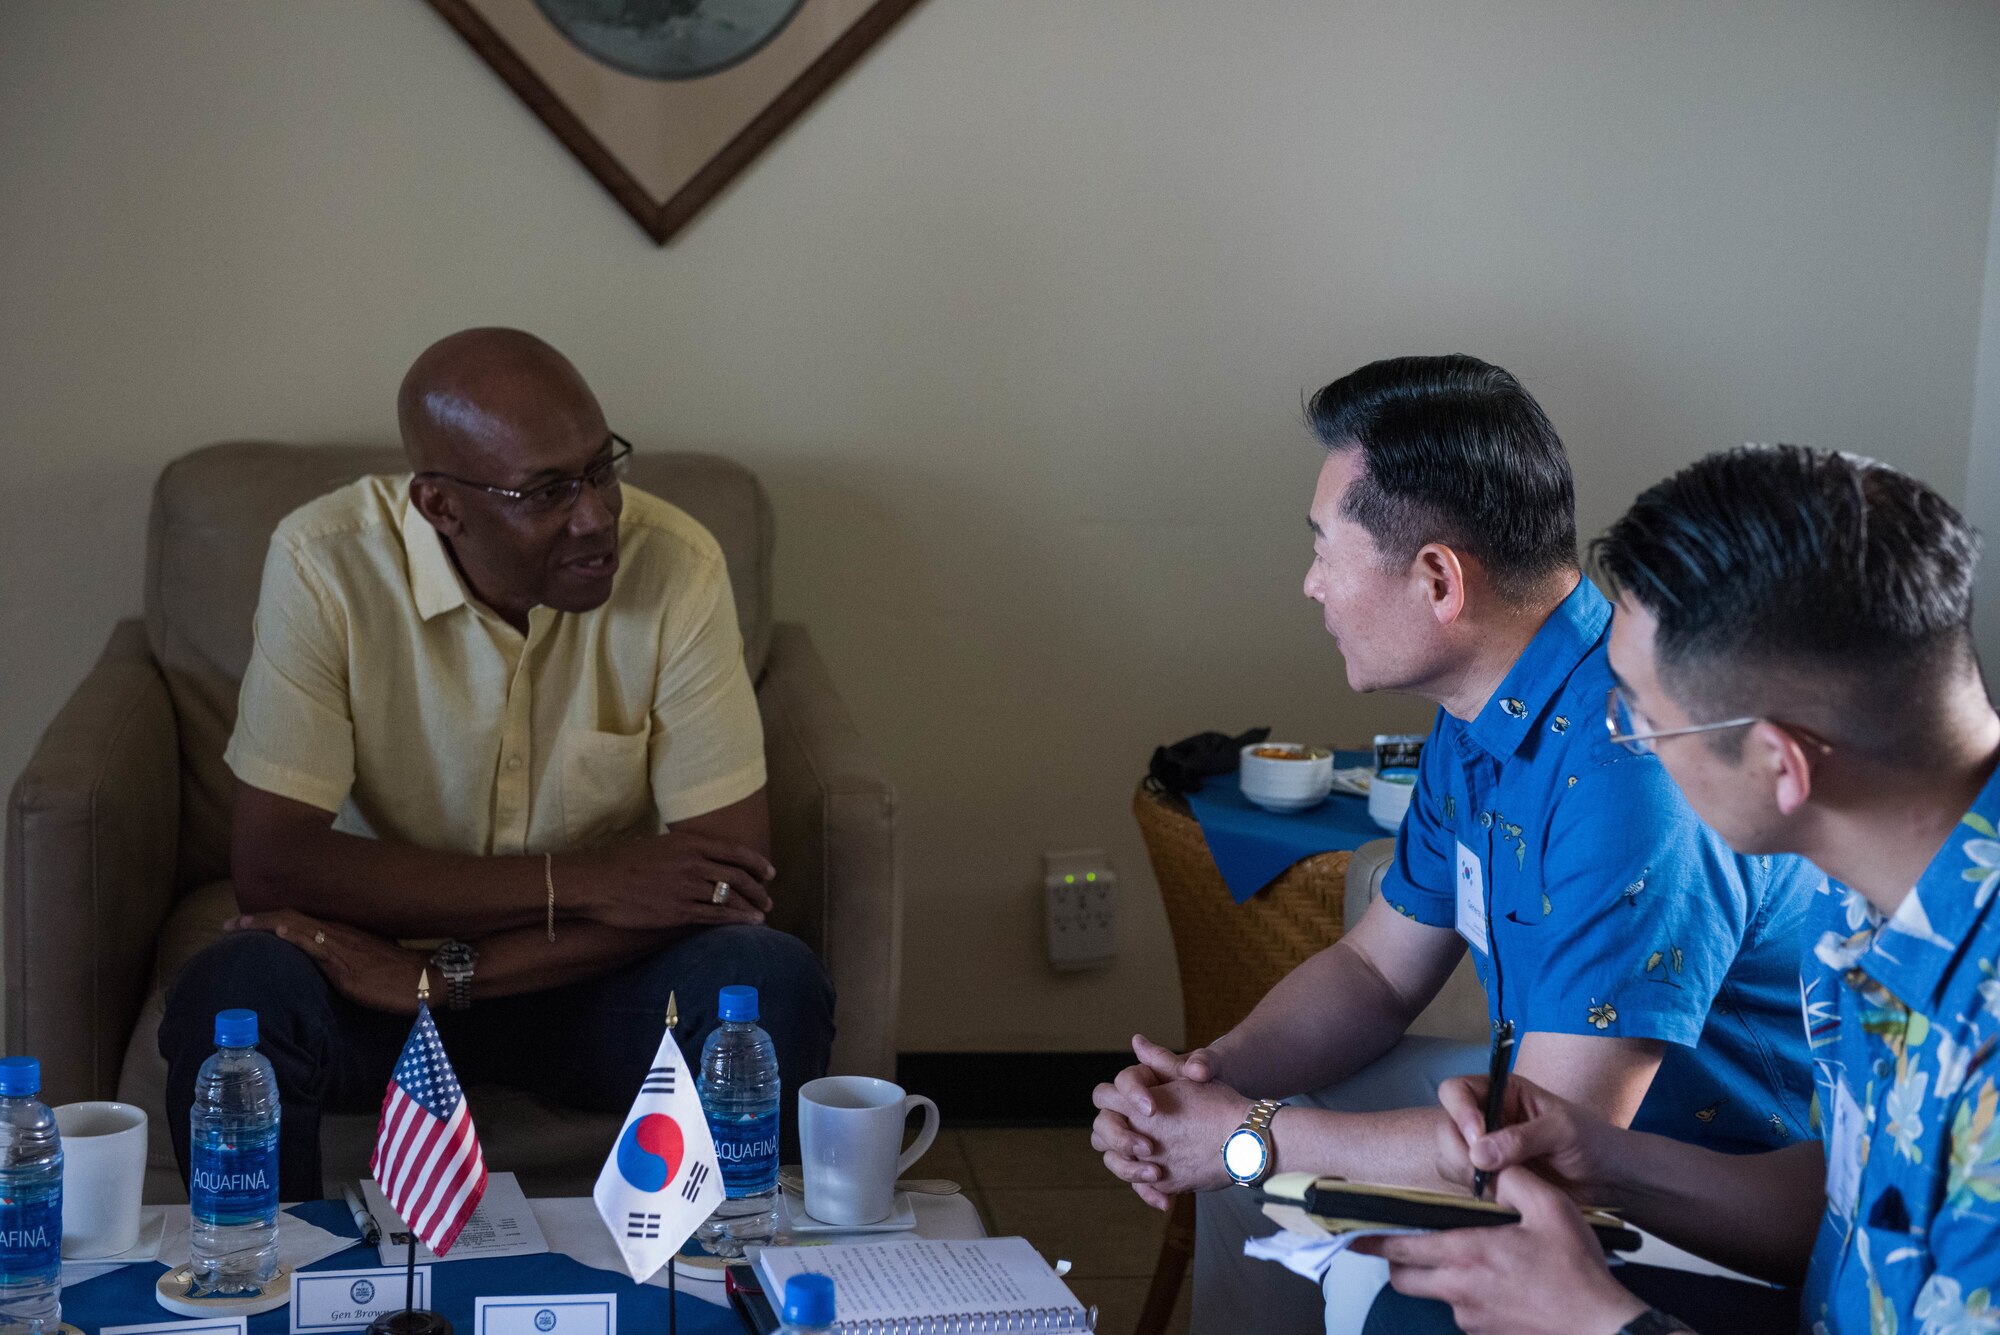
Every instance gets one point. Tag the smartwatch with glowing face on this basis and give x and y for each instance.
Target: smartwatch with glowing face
(1248, 1154)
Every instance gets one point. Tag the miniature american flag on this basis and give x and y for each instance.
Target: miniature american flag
(427, 1157)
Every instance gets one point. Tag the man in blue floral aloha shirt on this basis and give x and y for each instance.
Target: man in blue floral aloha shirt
(1793, 638)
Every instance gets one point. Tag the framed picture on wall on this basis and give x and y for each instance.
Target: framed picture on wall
(665, 101)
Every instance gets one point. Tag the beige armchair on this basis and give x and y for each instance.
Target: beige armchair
(1458, 1011)
(118, 829)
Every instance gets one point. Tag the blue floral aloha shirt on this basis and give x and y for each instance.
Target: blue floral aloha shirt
(1611, 908)
(1903, 1015)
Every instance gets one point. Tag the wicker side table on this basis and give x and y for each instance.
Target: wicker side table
(1229, 955)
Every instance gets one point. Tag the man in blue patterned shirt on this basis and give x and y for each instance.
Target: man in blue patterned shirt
(1649, 972)
(1793, 638)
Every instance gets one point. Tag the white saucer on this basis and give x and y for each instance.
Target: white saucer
(152, 1227)
(902, 1216)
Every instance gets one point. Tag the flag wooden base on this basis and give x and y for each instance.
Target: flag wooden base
(409, 1323)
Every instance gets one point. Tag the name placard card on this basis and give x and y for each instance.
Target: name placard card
(325, 1300)
(556, 1314)
(235, 1325)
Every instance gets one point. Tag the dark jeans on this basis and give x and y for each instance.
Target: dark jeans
(1711, 1304)
(586, 1045)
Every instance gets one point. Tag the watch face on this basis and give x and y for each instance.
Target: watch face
(1243, 1154)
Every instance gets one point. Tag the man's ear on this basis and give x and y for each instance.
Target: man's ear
(1786, 761)
(437, 506)
(1441, 578)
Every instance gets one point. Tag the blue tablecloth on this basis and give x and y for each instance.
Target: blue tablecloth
(1252, 846)
(125, 1297)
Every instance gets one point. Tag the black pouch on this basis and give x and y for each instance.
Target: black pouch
(1180, 768)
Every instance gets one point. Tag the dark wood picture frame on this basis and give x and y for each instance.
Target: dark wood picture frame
(661, 219)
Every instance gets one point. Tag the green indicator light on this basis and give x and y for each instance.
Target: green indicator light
(1091, 877)
(1069, 880)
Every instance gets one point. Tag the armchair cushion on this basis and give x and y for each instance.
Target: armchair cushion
(90, 855)
(1458, 1011)
(833, 822)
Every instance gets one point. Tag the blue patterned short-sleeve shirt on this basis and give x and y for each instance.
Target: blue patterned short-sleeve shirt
(1608, 906)
(1903, 1015)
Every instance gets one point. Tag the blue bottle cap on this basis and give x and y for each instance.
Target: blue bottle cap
(236, 1029)
(738, 1003)
(808, 1301)
(20, 1077)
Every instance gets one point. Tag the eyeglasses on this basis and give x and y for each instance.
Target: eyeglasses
(548, 497)
(1618, 722)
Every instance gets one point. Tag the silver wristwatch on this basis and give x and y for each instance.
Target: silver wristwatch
(1249, 1153)
(456, 960)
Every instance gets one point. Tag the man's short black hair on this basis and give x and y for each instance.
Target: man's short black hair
(1809, 586)
(1454, 451)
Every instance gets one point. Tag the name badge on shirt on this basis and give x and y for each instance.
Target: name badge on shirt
(1843, 1159)
(1472, 900)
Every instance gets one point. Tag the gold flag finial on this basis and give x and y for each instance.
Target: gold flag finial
(424, 985)
(673, 1013)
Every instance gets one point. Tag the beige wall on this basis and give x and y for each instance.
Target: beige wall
(1015, 326)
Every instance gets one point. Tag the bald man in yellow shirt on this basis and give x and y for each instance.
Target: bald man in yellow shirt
(496, 723)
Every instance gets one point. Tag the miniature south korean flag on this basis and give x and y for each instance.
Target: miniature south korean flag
(662, 1179)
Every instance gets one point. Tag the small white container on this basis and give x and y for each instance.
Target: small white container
(1389, 794)
(1299, 778)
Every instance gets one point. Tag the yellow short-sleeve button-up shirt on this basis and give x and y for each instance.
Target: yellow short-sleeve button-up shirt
(379, 689)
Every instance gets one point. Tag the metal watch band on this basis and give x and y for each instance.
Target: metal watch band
(456, 961)
(1258, 1123)
(1653, 1321)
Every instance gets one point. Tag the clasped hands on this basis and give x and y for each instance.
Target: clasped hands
(1161, 1123)
(654, 883)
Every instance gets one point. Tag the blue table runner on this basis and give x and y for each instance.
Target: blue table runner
(124, 1297)
(1252, 847)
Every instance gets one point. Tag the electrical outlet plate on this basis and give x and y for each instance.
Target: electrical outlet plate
(1079, 908)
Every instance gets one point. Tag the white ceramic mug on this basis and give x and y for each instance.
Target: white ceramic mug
(104, 1174)
(851, 1138)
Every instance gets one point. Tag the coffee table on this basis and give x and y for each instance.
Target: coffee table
(582, 1259)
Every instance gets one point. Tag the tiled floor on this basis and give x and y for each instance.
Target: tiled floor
(1046, 1184)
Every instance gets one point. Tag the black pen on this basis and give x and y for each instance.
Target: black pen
(1496, 1090)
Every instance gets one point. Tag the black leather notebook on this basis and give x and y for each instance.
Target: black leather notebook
(1346, 1207)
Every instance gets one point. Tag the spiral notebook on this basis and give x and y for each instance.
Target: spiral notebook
(933, 1286)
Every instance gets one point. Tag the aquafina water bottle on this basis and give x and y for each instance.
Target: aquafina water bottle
(31, 1167)
(739, 1094)
(233, 1163)
(808, 1305)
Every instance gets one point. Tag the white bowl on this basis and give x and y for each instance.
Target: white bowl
(1389, 794)
(1293, 782)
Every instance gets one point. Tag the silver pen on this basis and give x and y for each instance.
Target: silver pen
(371, 1232)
